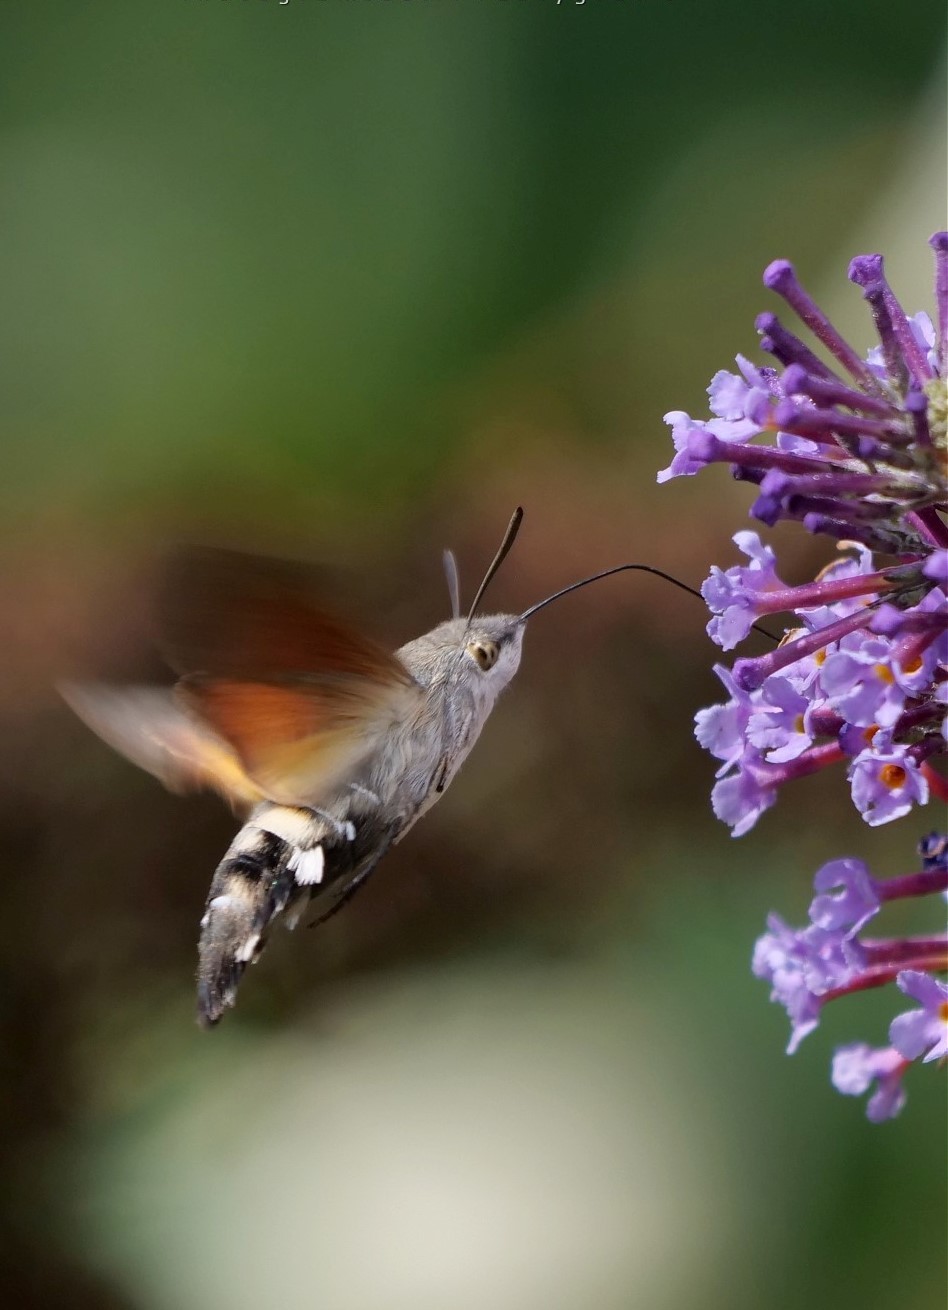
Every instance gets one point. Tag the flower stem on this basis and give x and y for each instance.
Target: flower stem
(938, 784)
(879, 975)
(822, 593)
(811, 761)
(929, 526)
(749, 674)
(912, 884)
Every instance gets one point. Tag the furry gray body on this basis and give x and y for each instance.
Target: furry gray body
(285, 857)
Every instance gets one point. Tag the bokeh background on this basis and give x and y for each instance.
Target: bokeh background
(348, 279)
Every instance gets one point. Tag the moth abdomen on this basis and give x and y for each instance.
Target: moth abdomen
(312, 856)
(240, 904)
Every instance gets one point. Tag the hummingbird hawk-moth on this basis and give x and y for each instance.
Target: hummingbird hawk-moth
(331, 746)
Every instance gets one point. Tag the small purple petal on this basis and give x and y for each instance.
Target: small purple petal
(887, 1101)
(936, 567)
(922, 987)
(779, 958)
(742, 798)
(720, 729)
(683, 465)
(911, 1034)
(727, 394)
(857, 1066)
(924, 1031)
(853, 905)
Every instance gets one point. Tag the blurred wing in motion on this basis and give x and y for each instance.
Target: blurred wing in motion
(277, 698)
(148, 727)
(300, 738)
(233, 615)
(300, 697)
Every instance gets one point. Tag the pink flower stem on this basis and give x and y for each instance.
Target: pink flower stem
(929, 526)
(906, 950)
(749, 674)
(882, 974)
(811, 761)
(912, 884)
(937, 784)
(822, 593)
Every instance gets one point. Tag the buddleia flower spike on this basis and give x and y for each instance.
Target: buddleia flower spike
(853, 448)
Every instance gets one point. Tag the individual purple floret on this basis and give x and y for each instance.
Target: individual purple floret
(922, 1032)
(806, 967)
(859, 682)
(734, 595)
(784, 723)
(857, 1066)
(886, 781)
(722, 729)
(779, 958)
(742, 797)
(730, 398)
(848, 896)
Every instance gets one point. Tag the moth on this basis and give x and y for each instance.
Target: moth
(329, 746)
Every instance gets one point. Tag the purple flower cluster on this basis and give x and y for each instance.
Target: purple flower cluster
(855, 449)
(831, 957)
(853, 682)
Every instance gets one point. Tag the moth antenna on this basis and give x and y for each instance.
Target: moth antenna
(454, 586)
(510, 536)
(624, 568)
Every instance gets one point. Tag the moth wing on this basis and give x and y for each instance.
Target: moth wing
(149, 727)
(253, 618)
(301, 697)
(299, 739)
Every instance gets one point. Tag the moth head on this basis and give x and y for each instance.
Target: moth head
(492, 646)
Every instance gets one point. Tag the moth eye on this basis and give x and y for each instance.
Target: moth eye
(484, 653)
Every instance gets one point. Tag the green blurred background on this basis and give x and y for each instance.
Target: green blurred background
(348, 279)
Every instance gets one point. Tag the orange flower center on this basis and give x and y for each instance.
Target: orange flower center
(893, 776)
(913, 666)
(884, 674)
